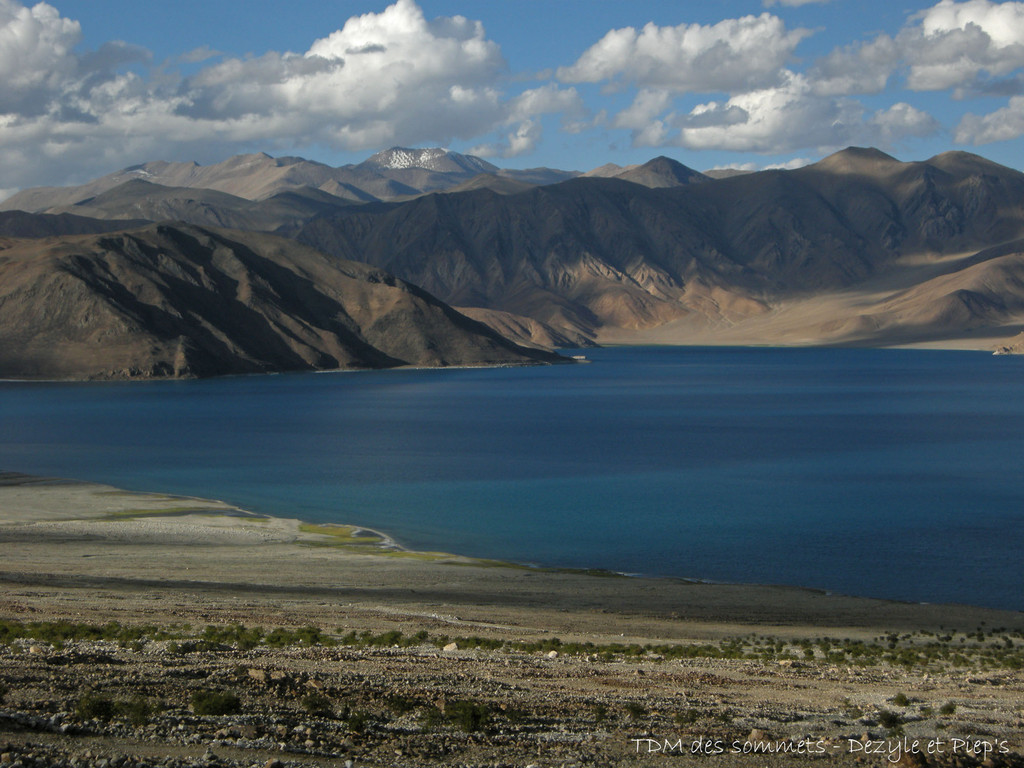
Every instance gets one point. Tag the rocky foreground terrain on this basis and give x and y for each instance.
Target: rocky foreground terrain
(306, 697)
(149, 630)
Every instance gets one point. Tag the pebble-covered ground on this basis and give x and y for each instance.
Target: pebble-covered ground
(176, 703)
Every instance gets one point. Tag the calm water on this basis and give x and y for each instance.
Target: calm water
(876, 472)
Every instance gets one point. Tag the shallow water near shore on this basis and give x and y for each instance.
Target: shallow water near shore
(886, 473)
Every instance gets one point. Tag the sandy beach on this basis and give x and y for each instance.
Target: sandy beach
(488, 632)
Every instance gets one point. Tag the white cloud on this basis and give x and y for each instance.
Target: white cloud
(1002, 125)
(955, 43)
(385, 78)
(950, 45)
(857, 68)
(788, 165)
(783, 119)
(734, 54)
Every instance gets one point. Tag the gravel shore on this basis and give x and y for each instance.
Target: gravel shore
(128, 619)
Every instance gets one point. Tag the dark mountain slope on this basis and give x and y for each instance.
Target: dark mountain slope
(599, 253)
(177, 300)
(205, 207)
(661, 172)
(22, 224)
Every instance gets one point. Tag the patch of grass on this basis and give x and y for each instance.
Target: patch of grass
(635, 711)
(468, 715)
(401, 704)
(889, 720)
(60, 632)
(687, 716)
(215, 703)
(357, 721)
(949, 708)
(318, 705)
(136, 710)
(127, 514)
(236, 635)
(94, 706)
(346, 535)
(307, 636)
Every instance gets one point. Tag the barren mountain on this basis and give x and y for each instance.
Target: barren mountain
(21, 224)
(204, 207)
(393, 173)
(851, 235)
(177, 300)
(660, 172)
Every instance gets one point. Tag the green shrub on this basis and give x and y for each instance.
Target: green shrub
(215, 703)
(357, 721)
(468, 715)
(948, 708)
(900, 700)
(889, 720)
(318, 705)
(635, 711)
(93, 706)
(137, 710)
(687, 716)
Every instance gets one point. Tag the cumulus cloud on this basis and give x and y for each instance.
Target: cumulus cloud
(392, 77)
(973, 48)
(783, 119)
(36, 58)
(734, 54)
(767, 107)
(1001, 125)
(524, 112)
(950, 45)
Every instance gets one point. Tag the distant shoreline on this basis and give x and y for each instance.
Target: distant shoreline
(112, 540)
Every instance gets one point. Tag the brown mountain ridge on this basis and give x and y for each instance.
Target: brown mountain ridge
(172, 300)
(859, 248)
(842, 251)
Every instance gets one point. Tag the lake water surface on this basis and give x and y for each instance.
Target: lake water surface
(889, 473)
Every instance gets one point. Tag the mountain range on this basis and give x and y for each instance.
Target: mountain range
(859, 248)
(171, 300)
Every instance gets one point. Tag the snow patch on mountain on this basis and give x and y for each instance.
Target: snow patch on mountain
(435, 159)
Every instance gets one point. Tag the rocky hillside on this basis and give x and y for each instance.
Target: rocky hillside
(606, 257)
(177, 300)
(393, 173)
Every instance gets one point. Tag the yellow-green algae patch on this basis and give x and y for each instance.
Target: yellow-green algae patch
(342, 535)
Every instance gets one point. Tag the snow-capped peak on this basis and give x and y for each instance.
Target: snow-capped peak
(436, 159)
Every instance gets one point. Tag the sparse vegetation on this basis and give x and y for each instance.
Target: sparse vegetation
(93, 706)
(215, 703)
(891, 721)
(318, 705)
(468, 715)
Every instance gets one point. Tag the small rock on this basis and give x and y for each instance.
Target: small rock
(552, 654)
(452, 647)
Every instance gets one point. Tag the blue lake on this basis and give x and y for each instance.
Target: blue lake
(888, 473)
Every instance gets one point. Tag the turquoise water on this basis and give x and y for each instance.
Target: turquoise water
(887, 473)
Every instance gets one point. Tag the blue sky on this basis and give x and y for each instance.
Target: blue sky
(91, 86)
